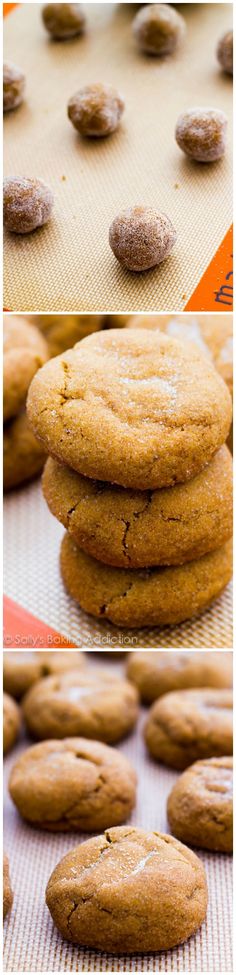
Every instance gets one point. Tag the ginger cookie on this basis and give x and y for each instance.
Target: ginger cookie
(88, 704)
(155, 673)
(128, 891)
(134, 529)
(24, 351)
(63, 331)
(138, 409)
(21, 670)
(7, 891)
(144, 597)
(23, 455)
(74, 784)
(200, 805)
(188, 725)
(11, 723)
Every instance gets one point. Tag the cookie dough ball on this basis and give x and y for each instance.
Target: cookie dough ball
(7, 891)
(92, 705)
(11, 723)
(24, 351)
(157, 673)
(21, 670)
(63, 331)
(13, 86)
(224, 52)
(188, 725)
(63, 20)
(200, 805)
(23, 455)
(158, 29)
(201, 134)
(128, 891)
(95, 110)
(27, 204)
(141, 237)
(73, 784)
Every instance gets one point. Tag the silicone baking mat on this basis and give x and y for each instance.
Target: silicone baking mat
(68, 265)
(31, 941)
(32, 579)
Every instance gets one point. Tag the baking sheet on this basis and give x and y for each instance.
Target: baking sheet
(31, 941)
(68, 265)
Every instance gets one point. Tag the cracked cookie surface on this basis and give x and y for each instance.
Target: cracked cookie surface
(134, 529)
(144, 597)
(74, 784)
(184, 726)
(128, 891)
(125, 406)
(11, 723)
(86, 704)
(200, 805)
(156, 673)
(21, 670)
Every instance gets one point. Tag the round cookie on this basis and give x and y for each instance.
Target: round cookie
(63, 331)
(155, 673)
(24, 351)
(128, 891)
(140, 410)
(23, 455)
(7, 891)
(188, 725)
(88, 704)
(11, 723)
(200, 805)
(21, 670)
(134, 529)
(74, 784)
(144, 597)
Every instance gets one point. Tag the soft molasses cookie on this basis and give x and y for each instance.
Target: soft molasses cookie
(94, 705)
(126, 406)
(11, 723)
(63, 331)
(7, 891)
(155, 673)
(74, 784)
(144, 597)
(128, 891)
(24, 351)
(188, 725)
(134, 529)
(21, 670)
(200, 805)
(23, 455)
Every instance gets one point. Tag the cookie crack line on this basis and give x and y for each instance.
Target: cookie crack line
(106, 606)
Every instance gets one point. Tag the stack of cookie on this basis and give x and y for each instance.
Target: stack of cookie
(25, 350)
(136, 424)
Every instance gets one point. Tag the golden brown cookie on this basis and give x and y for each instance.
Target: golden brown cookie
(188, 725)
(24, 351)
(73, 784)
(200, 805)
(134, 529)
(11, 723)
(21, 670)
(63, 331)
(125, 406)
(88, 704)
(144, 597)
(155, 673)
(128, 891)
(23, 455)
(7, 891)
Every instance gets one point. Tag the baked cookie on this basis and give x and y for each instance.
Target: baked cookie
(74, 784)
(128, 891)
(24, 351)
(155, 673)
(200, 805)
(187, 725)
(7, 891)
(11, 723)
(130, 407)
(134, 529)
(88, 704)
(63, 331)
(23, 455)
(144, 597)
(21, 670)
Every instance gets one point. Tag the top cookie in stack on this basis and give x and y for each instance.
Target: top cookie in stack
(144, 417)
